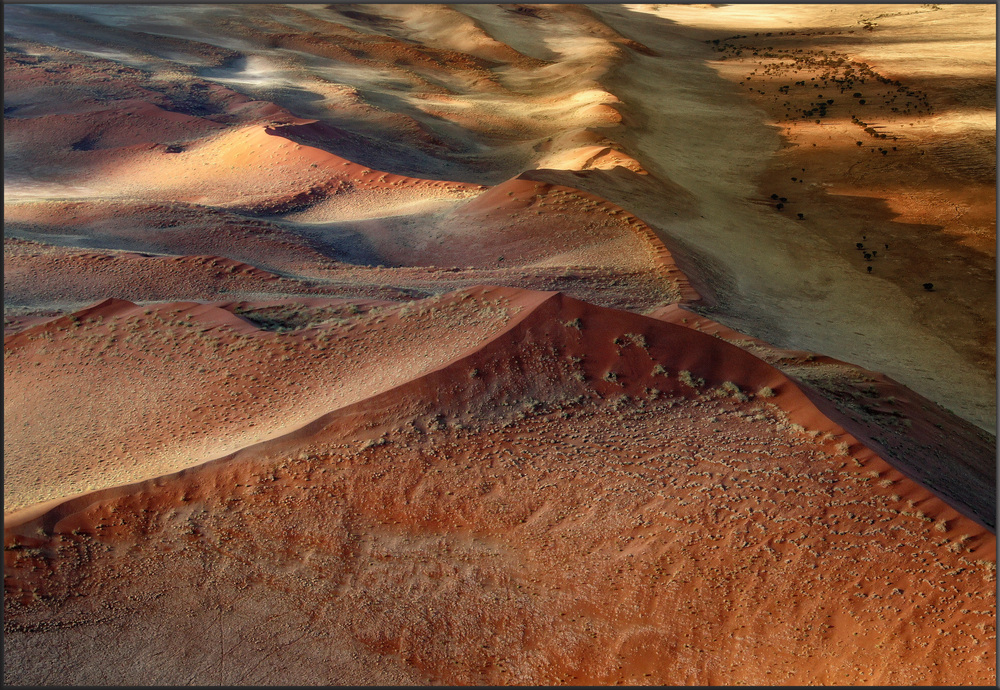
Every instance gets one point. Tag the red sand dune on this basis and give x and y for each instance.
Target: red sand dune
(925, 441)
(612, 577)
(194, 381)
(84, 276)
(522, 232)
(354, 345)
(162, 228)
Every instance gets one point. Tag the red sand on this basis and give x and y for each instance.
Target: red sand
(564, 503)
(343, 346)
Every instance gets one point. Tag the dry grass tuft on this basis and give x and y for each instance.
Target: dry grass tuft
(689, 380)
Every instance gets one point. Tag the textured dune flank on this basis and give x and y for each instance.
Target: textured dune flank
(499, 344)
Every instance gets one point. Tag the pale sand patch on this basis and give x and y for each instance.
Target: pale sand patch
(770, 278)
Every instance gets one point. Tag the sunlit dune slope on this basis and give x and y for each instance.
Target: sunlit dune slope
(119, 392)
(249, 169)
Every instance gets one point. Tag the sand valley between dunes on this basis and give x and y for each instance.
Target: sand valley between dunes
(499, 344)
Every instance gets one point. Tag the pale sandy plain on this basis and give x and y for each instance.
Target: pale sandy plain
(499, 344)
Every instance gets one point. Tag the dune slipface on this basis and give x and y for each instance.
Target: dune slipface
(498, 344)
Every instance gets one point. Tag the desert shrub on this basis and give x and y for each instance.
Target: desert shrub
(621, 402)
(689, 380)
(637, 338)
(731, 389)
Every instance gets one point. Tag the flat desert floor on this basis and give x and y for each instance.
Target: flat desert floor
(499, 344)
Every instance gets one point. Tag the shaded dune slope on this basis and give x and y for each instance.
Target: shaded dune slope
(953, 457)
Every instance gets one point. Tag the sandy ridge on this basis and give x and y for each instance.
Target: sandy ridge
(704, 355)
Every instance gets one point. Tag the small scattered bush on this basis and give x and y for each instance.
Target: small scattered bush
(689, 380)
(731, 389)
(638, 339)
